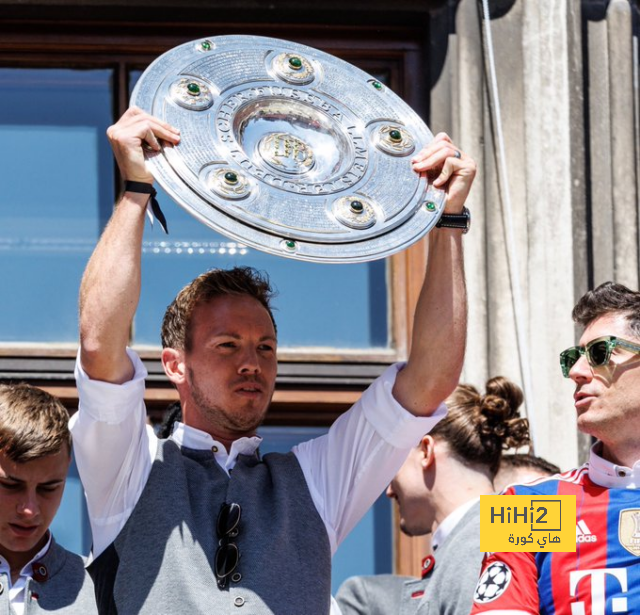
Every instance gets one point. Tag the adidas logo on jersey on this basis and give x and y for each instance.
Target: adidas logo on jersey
(583, 534)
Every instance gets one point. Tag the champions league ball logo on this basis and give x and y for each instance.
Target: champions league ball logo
(492, 583)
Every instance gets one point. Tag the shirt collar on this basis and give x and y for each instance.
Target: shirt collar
(449, 523)
(27, 569)
(190, 437)
(610, 475)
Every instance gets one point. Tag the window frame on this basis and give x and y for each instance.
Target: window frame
(338, 377)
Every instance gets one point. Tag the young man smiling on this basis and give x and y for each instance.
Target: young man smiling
(602, 577)
(36, 574)
(200, 523)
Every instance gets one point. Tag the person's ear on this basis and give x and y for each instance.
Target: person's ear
(173, 364)
(427, 451)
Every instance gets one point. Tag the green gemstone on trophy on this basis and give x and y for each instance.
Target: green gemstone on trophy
(193, 88)
(357, 207)
(295, 62)
(206, 45)
(395, 135)
(230, 177)
(291, 245)
(377, 85)
(430, 206)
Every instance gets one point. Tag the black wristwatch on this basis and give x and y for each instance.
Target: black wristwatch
(461, 220)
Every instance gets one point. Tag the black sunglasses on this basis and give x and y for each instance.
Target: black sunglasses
(228, 554)
(598, 352)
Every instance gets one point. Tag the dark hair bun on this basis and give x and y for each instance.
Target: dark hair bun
(502, 425)
(506, 390)
(479, 427)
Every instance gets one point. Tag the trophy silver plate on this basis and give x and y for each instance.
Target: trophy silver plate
(289, 150)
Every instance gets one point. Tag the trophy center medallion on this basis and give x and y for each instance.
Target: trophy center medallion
(287, 153)
(293, 140)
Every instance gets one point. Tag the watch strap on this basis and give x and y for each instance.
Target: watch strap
(460, 221)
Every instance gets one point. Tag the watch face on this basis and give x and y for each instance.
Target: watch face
(467, 214)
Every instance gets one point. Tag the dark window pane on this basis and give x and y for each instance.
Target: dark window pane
(57, 192)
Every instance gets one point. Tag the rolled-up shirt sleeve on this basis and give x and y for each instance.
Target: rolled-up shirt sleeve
(114, 449)
(348, 468)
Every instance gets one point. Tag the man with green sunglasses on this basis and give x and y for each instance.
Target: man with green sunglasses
(605, 369)
(602, 577)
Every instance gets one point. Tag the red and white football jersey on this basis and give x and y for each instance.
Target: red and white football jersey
(601, 578)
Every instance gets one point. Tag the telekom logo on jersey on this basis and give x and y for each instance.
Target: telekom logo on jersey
(598, 580)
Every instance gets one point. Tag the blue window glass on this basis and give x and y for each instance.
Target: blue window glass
(71, 526)
(57, 192)
(338, 306)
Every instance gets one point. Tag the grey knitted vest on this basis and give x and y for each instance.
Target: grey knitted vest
(161, 563)
(60, 584)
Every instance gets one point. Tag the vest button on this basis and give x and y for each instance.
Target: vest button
(236, 577)
(214, 449)
(621, 473)
(238, 601)
(40, 572)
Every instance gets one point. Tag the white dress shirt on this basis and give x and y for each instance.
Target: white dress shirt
(346, 469)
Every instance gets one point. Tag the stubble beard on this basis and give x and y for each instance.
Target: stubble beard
(243, 421)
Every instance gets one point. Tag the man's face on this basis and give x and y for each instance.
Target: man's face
(30, 495)
(607, 398)
(408, 488)
(231, 367)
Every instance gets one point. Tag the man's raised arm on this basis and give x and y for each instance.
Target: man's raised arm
(110, 288)
(440, 322)
(352, 465)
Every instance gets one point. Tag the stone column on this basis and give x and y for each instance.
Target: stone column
(537, 50)
(613, 126)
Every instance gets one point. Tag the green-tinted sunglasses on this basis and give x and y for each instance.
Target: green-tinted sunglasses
(598, 352)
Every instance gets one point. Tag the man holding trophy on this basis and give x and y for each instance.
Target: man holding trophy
(200, 522)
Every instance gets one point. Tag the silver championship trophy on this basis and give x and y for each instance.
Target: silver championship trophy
(289, 150)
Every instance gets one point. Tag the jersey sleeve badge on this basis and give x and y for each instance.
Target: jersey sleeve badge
(493, 583)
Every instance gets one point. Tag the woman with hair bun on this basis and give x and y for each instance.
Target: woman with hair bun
(438, 492)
